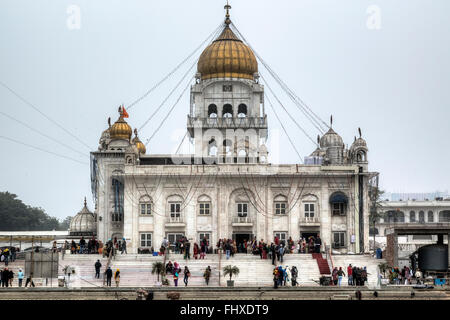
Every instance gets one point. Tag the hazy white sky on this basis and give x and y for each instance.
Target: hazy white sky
(393, 82)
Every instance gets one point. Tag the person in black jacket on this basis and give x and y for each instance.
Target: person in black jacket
(98, 265)
(109, 275)
(273, 251)
(5, 277)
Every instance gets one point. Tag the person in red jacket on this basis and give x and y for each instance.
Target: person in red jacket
(350, 275)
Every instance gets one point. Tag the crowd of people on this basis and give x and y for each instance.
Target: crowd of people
(8, 254)
(94, 246)
(356, 276)
(285, 276)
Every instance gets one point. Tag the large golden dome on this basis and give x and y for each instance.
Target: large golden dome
(227, 57)
(120, 129)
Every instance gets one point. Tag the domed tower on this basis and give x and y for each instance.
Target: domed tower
(227, 119)
(358, 151)
(120, 133)
(83, 224)
(138, 143)
(333, 146)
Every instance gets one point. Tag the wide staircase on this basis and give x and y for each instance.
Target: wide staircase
(135, 270)
(254, 272)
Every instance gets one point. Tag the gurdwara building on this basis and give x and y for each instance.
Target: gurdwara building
(227, 188)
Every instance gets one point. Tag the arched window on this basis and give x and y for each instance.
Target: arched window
(227, 111)
(412, 216)
(242, 111)
(212, 111)
(212, 148)
(227, 147)
(338, 201)
(280, 205)
(421, 217)
(174, 203)
(430, 216)
(394, 216)
(444, 216)
(204, 205)
(145, 205)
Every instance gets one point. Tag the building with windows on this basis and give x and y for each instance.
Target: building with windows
(227, 188)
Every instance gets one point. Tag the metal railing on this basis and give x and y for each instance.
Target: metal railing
(242, 220)
(232, 122)
(309, 220)
(175, 219)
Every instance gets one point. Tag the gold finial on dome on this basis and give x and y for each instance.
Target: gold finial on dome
(227, 15)
(138, 143)
(120, 129)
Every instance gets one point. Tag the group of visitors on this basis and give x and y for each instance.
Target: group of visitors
(94, 246)
(310, 245)
(175, 270)
(8, 254)
(202, 250)
(356, 276)
(109, 275)
(283, 276)
(404, 276)
(7, 277)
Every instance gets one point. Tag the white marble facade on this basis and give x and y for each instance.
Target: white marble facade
(227, 189)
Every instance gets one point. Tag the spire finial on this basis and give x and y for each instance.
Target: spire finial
(109, 122)
(359, 130)
(227, 15)
(135, 132)
(85, 203)
(331, 120)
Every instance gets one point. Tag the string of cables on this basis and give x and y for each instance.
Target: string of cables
(301, 105)
(211, 35)
(284, 129)
(45, 115)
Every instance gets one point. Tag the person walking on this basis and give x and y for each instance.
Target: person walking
(228, 249)
(109, 275)
(273, 252)
(30, 280)
(4, 276)
(97, 266)
(20, 277)
(317, 244)
(6, 255)
(175, 277)
(187, 274)
(124, 247)
(10, 277)
(187, 250)
(350, 275)
(340, 274)
(207, 274)
(334, 275)
(281, 252)
(117, 277)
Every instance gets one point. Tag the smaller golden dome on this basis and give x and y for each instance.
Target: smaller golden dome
(138, 143)
(120, 129)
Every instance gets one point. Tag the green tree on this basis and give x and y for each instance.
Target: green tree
(17, 216)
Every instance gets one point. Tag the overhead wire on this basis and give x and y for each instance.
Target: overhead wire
(290, 116)
(170, 111)
(43, 134)
(43, 150)
(131, 105)
(44, 115)
(303, 106)
(284, 129)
